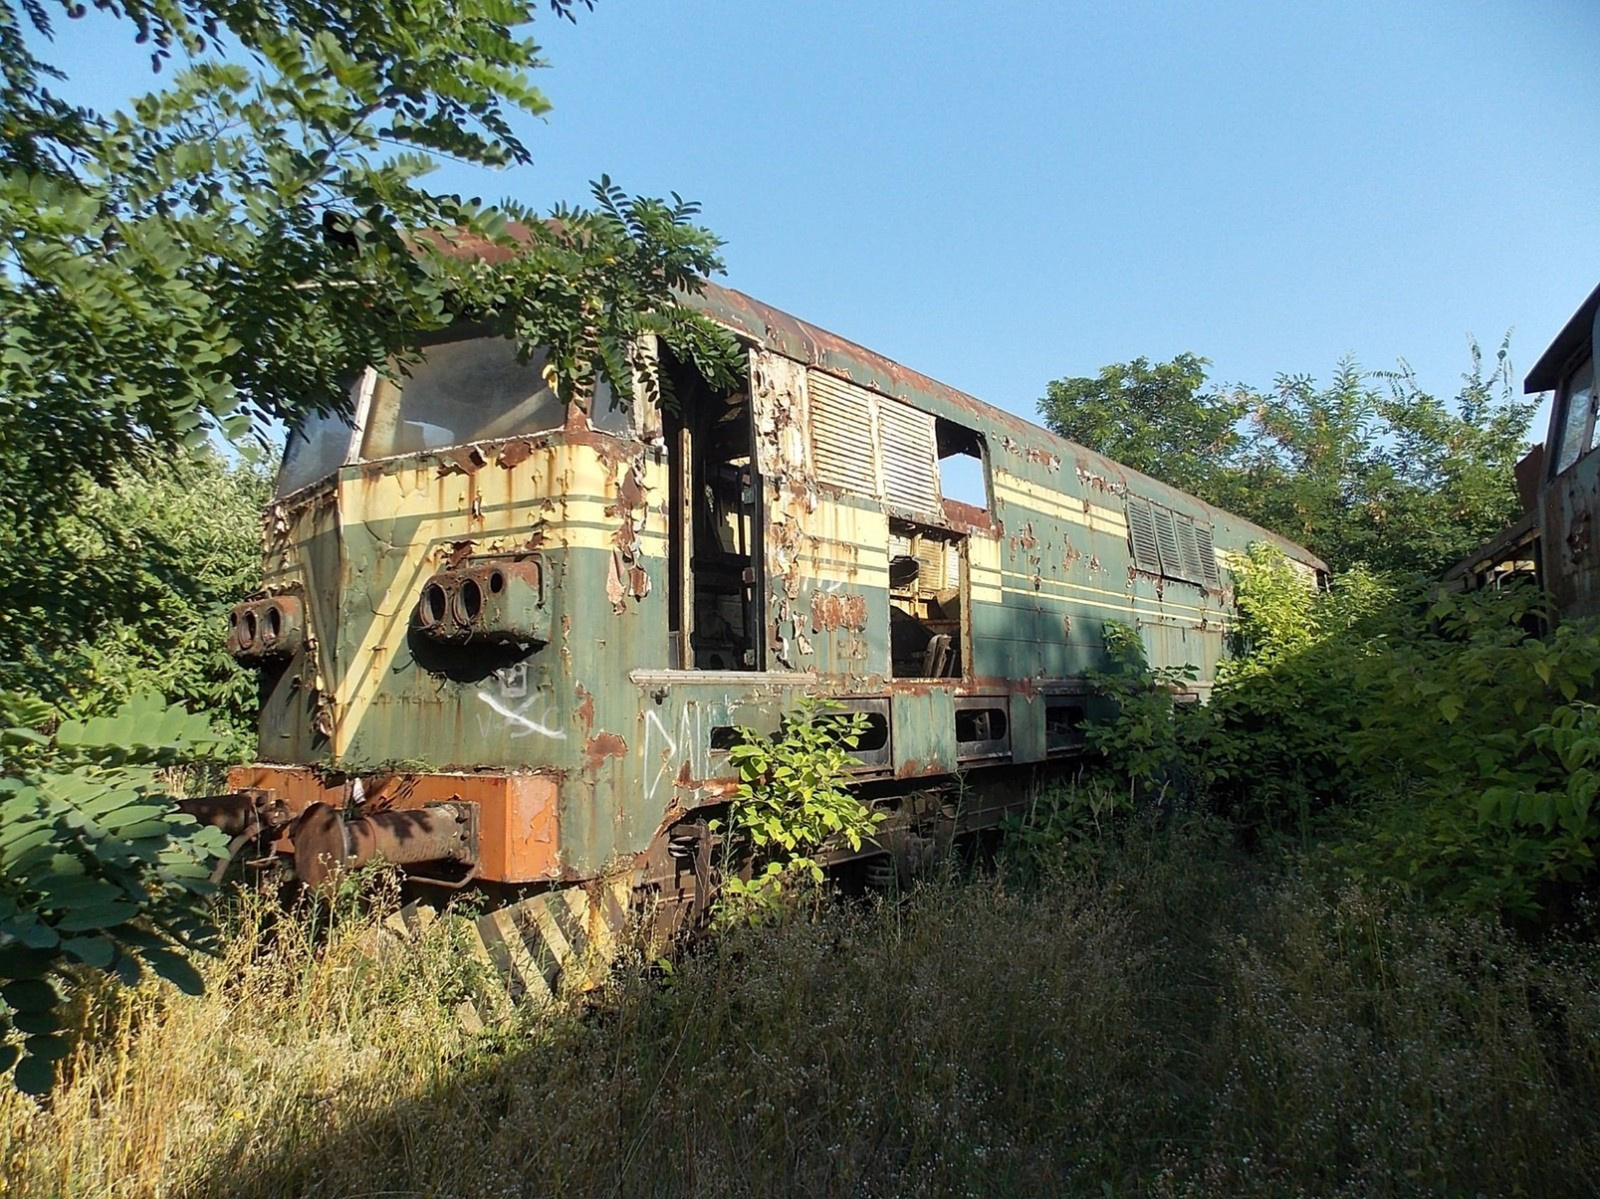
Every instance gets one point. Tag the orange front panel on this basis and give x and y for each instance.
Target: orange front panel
(518, 832)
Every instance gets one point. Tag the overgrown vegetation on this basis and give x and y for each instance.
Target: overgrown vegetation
(1447, 743)
(1366, 469)
(1182, 1022)
(792, 801)
(100, 868)
(128, 592)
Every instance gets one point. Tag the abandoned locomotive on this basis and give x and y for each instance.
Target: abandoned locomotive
(507, 640)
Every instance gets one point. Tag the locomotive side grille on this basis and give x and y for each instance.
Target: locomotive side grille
(1167, 539)
(1208, 554)
(1142, 534)
(868, 444)
(910, 465)
(841, 434)
(1189, 547)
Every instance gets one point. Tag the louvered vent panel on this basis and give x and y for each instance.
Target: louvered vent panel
(932, 556)
(910, 463)
(841, 434)
(1189, 550)
(1167, 540)
(1208, 554)
(1142, 533)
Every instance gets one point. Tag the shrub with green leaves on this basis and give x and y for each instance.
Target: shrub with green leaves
(792, 802)
(1151, 737)
(129, 592)
(1458, 747)
(99, 871)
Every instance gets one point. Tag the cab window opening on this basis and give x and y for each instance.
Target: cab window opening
(460, 392)
(963, 474)
(926, 611)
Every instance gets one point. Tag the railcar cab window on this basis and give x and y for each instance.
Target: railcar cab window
(317, 446)
(461, 392)
(1574, 416)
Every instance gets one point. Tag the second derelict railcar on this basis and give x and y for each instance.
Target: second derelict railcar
(507, 640)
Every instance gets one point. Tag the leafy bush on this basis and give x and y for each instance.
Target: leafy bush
(129, 591)
(98, 870)
(1484, 741)
(1152, 739)
(1460, 748)
(792, 801)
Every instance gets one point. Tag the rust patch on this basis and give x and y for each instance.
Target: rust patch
(461, 462)
(831, 611)
(1028, 540)
(632, 490)
(460, 551)
(614, 588)
(639, 582)
(585, 709)
(515, 453)
(1578, 537)
(602, 746)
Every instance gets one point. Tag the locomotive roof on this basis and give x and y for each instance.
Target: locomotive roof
(802, 341)
(782, 333)
(1546, 373)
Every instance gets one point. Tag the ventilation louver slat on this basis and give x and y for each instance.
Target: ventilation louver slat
(841, 434)
(1142, 535)
(1208, 554)
(1167, 540)
(1189, 550)
(910, 461)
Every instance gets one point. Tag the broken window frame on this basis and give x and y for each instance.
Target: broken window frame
(391, 387)
(685, 431)
(949, 433)
(354, 425)
(959, 664)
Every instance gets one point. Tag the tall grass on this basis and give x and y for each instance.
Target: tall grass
(1182, 1023)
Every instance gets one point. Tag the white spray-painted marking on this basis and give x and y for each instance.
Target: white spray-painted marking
(526, 723)
(653, 728)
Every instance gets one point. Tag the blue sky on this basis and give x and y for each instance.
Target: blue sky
(1000, 194)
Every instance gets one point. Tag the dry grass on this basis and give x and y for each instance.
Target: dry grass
(1180, 1026)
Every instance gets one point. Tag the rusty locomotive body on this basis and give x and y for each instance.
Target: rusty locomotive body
(1552, 544)
(507, 641)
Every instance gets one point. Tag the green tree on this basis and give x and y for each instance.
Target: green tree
(1367, 468)
(1159, 418)
(232, 247)
(127, 592)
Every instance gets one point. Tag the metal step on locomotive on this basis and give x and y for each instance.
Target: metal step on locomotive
(505, 642)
